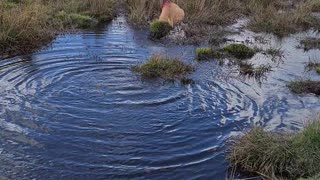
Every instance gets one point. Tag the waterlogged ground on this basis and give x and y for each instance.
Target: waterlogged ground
(75, 110)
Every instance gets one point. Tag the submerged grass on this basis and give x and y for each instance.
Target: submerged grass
(310, 43)
(163, 67)
(27, 25)
(313, 66)
(278, 156)
(248, 69)
(305, 86)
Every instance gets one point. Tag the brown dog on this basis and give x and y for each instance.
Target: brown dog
(171, 13)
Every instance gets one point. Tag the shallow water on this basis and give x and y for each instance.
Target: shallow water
(75, 110)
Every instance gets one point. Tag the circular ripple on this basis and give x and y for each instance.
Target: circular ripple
(76, 110)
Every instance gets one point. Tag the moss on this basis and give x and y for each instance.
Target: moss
(163, 67)
(239, 51)
(278, 156)
(207, 53)
(303, 87)
(159, 29)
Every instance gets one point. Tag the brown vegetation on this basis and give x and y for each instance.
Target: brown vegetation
(27, 25)
(280, 17)
(278, 156)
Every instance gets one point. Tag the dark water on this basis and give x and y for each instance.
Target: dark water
(76, 111)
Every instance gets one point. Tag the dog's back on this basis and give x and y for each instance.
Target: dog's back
(171, 13)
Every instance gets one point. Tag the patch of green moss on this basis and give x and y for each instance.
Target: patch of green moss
(207, 53)
(159, 29)
(239, 51)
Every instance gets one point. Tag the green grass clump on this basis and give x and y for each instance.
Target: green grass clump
(239, 51)
(163, 67)
(303, 87)
(207, 53)
(159, 29)
(278, 156)
(76, 20)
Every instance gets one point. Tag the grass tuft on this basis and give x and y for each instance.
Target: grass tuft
(163, 67)
(306, 86)
(248, 69)
(239, 51)
(27, 25)
(310, 43)
(278, 156)
(159, 29)
(313, 66)
(207, 53)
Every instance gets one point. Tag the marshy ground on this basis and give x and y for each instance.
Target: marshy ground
(109, 101)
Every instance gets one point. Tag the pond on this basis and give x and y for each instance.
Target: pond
(75, 110)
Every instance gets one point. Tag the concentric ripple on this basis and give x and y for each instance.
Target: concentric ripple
(76, 111)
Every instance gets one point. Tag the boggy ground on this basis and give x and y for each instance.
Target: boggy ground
(203, 17)
(27, 25)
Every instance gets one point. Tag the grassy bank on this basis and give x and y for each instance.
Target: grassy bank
(280, 17)
(279, 156)
(27, 25)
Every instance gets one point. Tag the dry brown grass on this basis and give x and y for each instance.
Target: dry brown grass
(214, 12)
(27, 25)
(281, 18)
(278, 156)
(23, 27)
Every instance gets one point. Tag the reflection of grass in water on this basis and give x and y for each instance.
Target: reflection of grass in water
(278, 156)
(163, 67)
